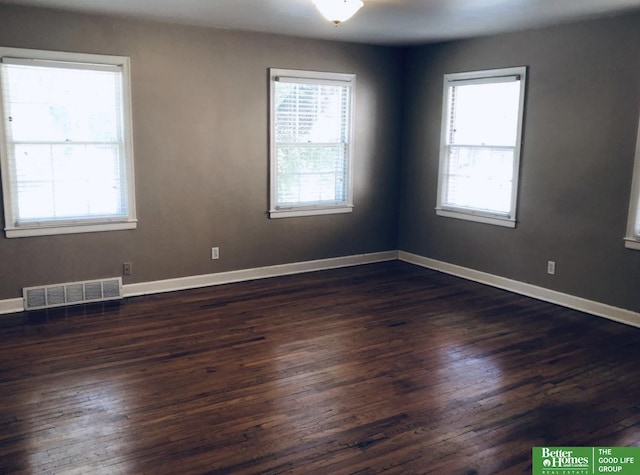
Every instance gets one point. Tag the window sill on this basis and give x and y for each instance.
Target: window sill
(478, 218)
(631, 243)
(296, 212)
(70, 229)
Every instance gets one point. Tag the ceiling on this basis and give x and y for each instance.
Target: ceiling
(391, 22)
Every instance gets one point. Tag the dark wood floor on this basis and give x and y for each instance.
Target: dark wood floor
(379, 368)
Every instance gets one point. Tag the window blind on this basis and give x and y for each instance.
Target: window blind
(311, 135)
(480, 144)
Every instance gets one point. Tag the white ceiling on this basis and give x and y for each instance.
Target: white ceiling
(392, 22)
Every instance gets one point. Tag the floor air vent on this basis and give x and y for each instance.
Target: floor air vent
(72, 293)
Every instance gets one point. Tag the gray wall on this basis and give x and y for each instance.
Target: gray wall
(200, 121)
(201, 141)
(580, 130)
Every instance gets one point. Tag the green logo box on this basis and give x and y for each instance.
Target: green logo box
(586, 460)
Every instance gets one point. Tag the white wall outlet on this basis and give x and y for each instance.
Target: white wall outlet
(551, 267)
(215, 253)
(127, 268)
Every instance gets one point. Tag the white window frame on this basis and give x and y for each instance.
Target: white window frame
(310, 77)
(76, 225)
(632, 238)
(487, 76)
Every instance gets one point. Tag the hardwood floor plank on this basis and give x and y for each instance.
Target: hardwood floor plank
(382, 368)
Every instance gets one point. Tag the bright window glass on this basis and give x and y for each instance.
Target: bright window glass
(67, 155)
(311, 143)
(480, 148)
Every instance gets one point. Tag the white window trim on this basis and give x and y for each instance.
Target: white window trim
(632, 239)
(490, 75)
(75, 225)
(310, 77)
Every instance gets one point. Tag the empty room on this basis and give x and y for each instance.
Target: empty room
(320, 237)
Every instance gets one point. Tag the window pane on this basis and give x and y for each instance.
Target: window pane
(59, 104)
(311, 133)
(311, 173)
(479, 178)
(484, 114)
(311, 113)
(69, 181)
(479, 156)
(66, 155)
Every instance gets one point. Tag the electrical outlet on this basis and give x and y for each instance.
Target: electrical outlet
(127, 268)
(551, 267)
(215, 253)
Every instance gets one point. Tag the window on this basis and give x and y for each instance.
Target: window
(632, 239)
(480, 145)
(311, 143)
(67, 156)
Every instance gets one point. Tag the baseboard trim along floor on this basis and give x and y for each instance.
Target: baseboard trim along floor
(207, 280)
(598, 309)
(184, 283)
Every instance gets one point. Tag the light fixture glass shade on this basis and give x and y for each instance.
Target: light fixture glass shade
(338, 11)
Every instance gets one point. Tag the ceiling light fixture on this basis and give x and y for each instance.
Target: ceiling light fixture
(338, 11)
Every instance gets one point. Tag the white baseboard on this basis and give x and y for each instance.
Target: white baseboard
(183, 283)
(11, 306)
(196, 281)
(206, 280)
(616, 314)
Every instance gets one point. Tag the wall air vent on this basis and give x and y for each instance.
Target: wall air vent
(72, 293)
